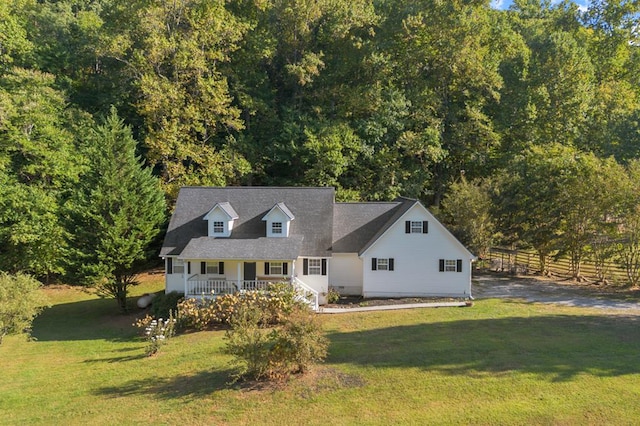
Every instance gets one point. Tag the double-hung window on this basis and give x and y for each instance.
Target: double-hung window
(178, 266)
(213, 268)
(276, 228)
(315, 267)
(275, 268)
(218, 227)
(450, 265)
(382, 264)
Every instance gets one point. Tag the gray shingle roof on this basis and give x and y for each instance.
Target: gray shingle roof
(237, 249)
(228, 209)
(312, 208)
(358, 225)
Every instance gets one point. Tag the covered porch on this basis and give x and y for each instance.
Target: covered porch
(213, 278)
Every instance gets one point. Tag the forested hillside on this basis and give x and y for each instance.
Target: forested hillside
(521, 126)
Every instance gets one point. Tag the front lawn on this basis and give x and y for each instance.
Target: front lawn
(498, 362)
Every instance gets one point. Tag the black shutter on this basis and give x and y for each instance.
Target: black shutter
(266, 268)
(324, 266)
(169, 265)
(305, 266)
(425, 227)
(221, 268)
(285, 268)
(391, 264)
(459, 265)
(188, 267)
(203, 267)
(374, 264)
(441, 265)
(407, 226)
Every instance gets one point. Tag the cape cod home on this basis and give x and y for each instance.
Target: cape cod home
(227, 239)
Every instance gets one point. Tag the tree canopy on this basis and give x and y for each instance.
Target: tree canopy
(377, 98)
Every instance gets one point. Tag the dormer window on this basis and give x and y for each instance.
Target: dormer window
(221, 218)
(276, 228)
(278, 221)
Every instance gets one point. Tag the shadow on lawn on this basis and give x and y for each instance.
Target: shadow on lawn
(85, 320)
(556, 347)
(192, 386)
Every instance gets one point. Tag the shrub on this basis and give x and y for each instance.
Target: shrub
(20, 302)
(194, 313)
(164, 304)
(274, 353)
(156, 331)
(333, 296)
(275, 303)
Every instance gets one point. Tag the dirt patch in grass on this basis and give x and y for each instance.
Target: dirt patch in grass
(317, 380)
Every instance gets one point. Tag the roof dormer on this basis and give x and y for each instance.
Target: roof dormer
(278, 221)
(221, 218)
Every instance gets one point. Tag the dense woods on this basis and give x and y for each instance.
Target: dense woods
(520, 127)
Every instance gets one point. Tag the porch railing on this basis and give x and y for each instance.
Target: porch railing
(309, 295)
(213, 288)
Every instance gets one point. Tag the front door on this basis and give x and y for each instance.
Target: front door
(249, 271)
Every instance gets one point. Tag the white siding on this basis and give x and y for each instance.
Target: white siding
(346, 274)
(319, 283)
(277, 215)
(218, 215)
(416, 261)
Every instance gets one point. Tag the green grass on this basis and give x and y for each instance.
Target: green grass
(499, 362)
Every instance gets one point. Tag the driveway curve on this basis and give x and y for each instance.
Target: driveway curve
(540, 290)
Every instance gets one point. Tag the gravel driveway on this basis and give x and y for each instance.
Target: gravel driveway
(533, 289)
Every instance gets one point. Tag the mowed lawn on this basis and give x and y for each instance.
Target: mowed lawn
(498, 362)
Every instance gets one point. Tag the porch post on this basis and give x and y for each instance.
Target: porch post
(239, 280)
(184, 274)
(293, 270)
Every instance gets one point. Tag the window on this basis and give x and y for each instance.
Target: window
(315, 267)
(276, 228)
(275, 268)
(450, 265)
(382, 264)
(218, 227)
(213, 268)
(416, 227)
(178, 266)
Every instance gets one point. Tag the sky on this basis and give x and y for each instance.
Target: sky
(504, 4)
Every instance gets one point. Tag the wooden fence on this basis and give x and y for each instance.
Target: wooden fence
(527, 262)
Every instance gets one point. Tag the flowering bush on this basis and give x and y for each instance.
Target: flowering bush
(156, 332)
(275, 304)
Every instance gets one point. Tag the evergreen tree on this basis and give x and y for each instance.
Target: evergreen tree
(115, 213)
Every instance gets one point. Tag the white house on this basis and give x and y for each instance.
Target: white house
(228, 239)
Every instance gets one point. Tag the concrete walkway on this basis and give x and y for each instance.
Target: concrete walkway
(324, 310)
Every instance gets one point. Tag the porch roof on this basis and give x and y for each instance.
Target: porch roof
(243, 249)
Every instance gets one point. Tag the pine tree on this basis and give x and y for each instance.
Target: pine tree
(115, 213)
